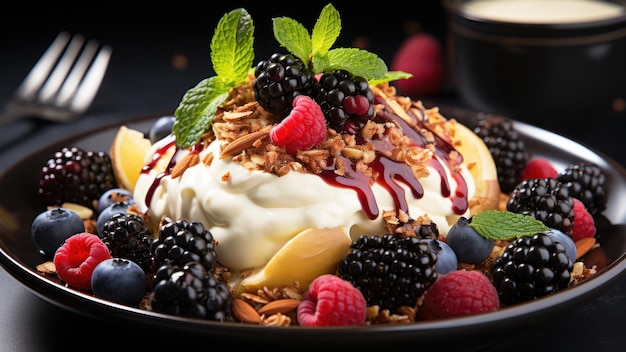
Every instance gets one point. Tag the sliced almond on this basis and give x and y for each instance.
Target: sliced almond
(245, 312)
(282, 306)
(244, 142)
(583, 246)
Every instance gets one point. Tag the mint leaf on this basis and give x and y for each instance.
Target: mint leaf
(232, 50)
(232, 53)
(390, 76)
(326, 30)
(357, 61)
(293, 36)
(506, 225)
(197, 109)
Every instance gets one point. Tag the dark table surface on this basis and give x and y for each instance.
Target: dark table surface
(142, 80)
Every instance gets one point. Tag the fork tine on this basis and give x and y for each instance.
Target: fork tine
(39, 72)
(71, 83)
(91, 83)
(51, 87)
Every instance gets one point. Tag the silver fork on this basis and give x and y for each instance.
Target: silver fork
(63, 83)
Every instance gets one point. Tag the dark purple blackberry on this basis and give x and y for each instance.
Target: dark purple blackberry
(390, 271)
(127, 236)
(546, 200)
(346, 101)
(76, 176)
(507, 149)
(180, 242)
(531, 267)
(587, 183)
(279, 80)
(190, 291)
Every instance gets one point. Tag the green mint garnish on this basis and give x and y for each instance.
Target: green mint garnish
(506, 225)
(232, 54)
(315, 49)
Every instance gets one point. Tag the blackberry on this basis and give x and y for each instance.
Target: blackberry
(191, 291)
(546, 200)
(508, 150)
(346, 100)
(180, 242)
(529, 268)
(587, 183)
(76, 176)
(279, 80)
(127, 236)
(390, 271)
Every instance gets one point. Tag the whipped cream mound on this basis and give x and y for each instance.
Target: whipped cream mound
(252, 212)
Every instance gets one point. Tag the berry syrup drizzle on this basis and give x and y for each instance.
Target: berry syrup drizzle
(388, 172)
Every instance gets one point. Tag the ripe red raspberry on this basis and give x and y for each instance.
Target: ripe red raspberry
(459, 293)
(332, 301)
(76, 259)
(303, 128)
(584, 224)
(422, 56)
(538, 168)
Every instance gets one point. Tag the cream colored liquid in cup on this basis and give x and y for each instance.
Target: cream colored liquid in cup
(543, 11)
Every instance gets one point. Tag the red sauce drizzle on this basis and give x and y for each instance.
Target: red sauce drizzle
(390, 173)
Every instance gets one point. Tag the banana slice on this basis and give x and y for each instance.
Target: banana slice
(309, 254)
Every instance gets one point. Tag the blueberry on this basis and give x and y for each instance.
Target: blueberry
(52, 227)
(565, 240)
(106, 213)
(119, 280)
(446, 258)
(470, 247)
(112, 196)
(161, 128)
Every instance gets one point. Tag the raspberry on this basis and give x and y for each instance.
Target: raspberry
(459, 293)
(584, 224)
(303, 128)
(76, 259)
(332, 301)
(538, 168)
(420, 55)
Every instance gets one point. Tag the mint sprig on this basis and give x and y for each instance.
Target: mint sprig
(506, 225)
(232, 55)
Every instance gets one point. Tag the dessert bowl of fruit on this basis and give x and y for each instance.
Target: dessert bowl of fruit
(299, 199)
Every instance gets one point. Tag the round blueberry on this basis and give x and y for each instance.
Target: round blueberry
(470, 247)
(119, 280)
(446, 258)
(52, 227)
(565, 240)
(106, 213)
(161, 128)
(114, 195)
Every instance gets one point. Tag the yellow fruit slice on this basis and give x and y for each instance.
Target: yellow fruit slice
(307, 255)
(127, 156)
(480, 163)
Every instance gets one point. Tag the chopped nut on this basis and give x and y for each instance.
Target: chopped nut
(279, 306)
(245, 312)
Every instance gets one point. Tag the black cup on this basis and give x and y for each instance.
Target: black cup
(545, 74)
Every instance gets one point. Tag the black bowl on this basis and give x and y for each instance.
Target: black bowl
(542, 73)
(19, 257)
